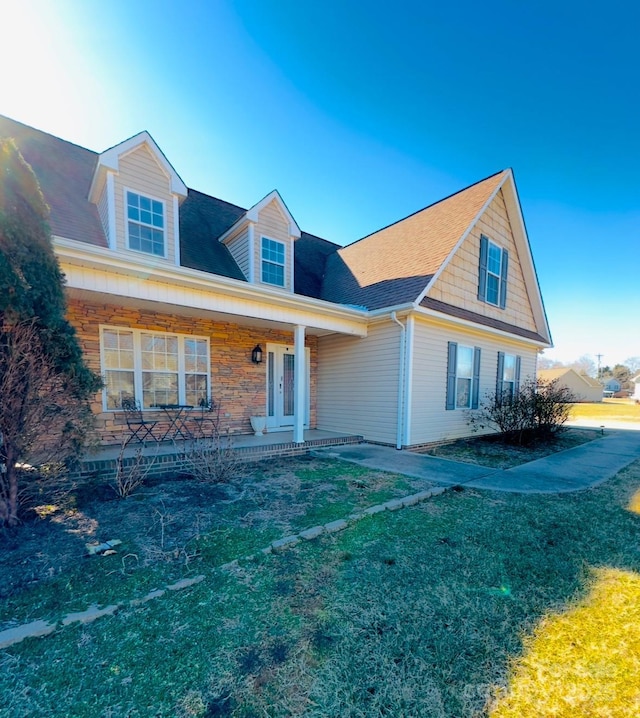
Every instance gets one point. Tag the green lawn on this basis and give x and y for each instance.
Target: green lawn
(443, 609)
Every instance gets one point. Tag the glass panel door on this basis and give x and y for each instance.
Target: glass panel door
(288, 372)
(281, 386)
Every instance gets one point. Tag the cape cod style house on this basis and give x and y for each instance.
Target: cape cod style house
(394, 337)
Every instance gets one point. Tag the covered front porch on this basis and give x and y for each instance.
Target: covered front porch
(173, 336)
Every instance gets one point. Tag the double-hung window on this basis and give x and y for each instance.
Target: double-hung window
(153, 367)
(508, 379)
(272, 256)
(492, 279)
(145, 224)
(463, 376)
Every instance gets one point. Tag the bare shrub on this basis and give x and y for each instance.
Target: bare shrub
(131, 473)
(212, 458)
(539, 410)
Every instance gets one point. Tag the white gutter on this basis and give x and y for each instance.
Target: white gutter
(401, 380)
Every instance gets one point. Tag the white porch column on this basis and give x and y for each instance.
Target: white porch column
(300, 384)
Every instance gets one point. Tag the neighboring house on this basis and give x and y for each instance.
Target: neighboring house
(584, 387)
(394, 337)
(636, 388)
(612, 385)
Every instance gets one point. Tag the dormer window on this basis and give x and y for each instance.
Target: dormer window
(145, 224)
(273, 254)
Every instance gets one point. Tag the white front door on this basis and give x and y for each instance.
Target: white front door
(280, 385)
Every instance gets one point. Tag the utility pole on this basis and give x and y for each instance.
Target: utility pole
(599, 357)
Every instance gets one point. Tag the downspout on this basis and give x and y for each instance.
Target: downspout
(401, 380)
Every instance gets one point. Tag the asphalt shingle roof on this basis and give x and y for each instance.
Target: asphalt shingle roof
(202, 220)
(389, 267)
(64, 172)
(394, 265)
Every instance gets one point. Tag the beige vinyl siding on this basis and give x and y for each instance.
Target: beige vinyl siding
(458, 283)
(358, 383)
(140, 173)
(103, 210)
(238, 245)
(430, 421)
(273, 224)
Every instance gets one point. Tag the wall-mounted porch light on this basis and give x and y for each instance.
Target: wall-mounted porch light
(256, 354)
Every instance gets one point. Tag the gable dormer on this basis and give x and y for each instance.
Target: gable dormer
(262, 243)
(138, 194)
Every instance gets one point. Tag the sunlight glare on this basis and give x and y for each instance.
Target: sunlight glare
(46, 71)
(634, 503)
(585, 661)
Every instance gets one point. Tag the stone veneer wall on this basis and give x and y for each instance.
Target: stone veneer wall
(238, 385)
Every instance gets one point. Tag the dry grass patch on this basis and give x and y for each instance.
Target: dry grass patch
(585, 662)
(492, 451)
(607, 410)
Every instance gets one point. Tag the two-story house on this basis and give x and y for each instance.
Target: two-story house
(179, 297)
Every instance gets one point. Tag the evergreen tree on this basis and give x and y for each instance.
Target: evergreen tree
(32, 303)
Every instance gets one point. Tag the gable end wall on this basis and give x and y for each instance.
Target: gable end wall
(458, 283)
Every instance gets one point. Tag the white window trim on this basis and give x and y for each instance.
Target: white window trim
(491, 243)
(506, 381)
(469, 378)
(137, 362)
(165, 231)
(283, 265)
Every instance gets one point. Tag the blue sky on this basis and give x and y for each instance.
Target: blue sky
(361, 113)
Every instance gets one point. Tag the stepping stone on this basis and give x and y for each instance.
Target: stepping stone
(90, 614)
(285, 542)
(312, 533)
(334, 526)
(28, 630)
(374, 510)
(149, 597)
(393, 505)
(185, 583)
(411, 500)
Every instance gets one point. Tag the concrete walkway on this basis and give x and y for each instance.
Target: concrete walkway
(572, 470)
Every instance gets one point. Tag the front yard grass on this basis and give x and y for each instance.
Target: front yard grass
(442, 609)
(172, 529)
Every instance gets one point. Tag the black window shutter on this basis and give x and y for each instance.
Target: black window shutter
(516, 388)
(503, 279)
(452, 359)
(482, 274)
(475, 386)
(500, 376)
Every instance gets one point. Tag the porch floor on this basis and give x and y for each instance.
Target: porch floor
(167, 454)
